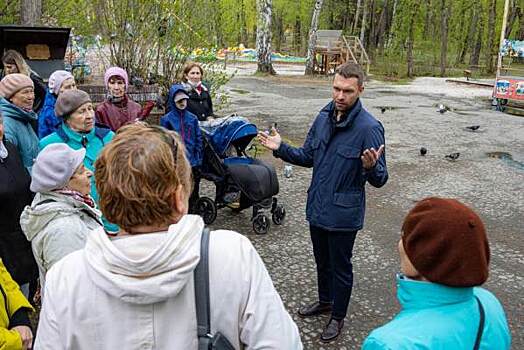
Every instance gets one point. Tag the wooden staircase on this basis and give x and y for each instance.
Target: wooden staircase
(333, 49)
(356, 52)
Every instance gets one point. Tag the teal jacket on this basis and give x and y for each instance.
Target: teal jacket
(18, 131)
(437, 317)
(94, 142)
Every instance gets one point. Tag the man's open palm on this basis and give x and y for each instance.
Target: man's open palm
(272, 141)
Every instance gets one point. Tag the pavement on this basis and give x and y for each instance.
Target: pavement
(488, 176)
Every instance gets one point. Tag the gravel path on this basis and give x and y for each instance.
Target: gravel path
(493, 186)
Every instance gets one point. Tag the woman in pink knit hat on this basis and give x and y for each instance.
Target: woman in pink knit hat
(118, 109)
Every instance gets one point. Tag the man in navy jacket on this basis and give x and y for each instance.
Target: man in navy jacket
(345, 147)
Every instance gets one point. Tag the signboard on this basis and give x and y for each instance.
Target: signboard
(509, 88)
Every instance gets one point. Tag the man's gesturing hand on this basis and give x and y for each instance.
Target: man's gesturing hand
(370, 156)
(271, 141)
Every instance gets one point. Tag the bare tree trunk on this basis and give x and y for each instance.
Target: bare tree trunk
(475, 54)
(514, 13)
(297, 36)
(391, 29)
(411, 36)
(30, 12)
(445, 9)
(264, 8)
(355, 21)
(428, 19)
(491, 49)
(381, 31)
(521, 26)
(313, 37)
(363, 24)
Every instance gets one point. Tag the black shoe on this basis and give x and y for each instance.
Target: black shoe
(315, 309)
(332, 330)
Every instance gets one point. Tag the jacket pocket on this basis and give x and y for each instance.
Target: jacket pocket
(348, 152)
(348, 199)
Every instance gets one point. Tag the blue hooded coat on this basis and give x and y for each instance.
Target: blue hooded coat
(18, 131)
(186, 125)
(47, 120)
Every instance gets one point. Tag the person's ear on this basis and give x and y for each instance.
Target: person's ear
(361, 88)
(180, 204)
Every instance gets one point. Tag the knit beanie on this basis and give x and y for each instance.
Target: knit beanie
(446, 242)
(68, 101)
(54, 166)
(12, 83)
(110, 72)
(56, 79)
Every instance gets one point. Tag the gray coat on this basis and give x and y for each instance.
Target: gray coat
(57, 227)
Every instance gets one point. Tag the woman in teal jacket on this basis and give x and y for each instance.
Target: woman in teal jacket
(444, 257)
(78, 130)
(16, 103)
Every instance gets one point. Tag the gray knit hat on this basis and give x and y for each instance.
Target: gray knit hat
(54, 166)
(68, 101)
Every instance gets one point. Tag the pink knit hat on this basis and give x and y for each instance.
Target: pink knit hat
(12, 83)
(57, 78)
(119, 72)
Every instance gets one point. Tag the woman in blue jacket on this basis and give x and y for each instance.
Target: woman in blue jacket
(186, 125)
(16, 104)
(444, 257)
(59, 82)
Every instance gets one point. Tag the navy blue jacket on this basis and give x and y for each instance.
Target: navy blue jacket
(48, 122)
(336, 197)
(186, 125)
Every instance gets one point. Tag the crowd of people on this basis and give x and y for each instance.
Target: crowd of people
(95, 220)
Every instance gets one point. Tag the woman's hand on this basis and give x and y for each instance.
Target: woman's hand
(27, 336)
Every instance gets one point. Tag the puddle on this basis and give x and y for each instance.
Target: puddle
(240, 91)
(506, 158)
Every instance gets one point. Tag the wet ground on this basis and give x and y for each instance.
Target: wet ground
(490, 182)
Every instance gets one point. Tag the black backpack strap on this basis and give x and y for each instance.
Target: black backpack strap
(481, 325)
(201, 277)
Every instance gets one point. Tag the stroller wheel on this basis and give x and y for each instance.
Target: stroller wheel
(279, 214)
(261, 224)
(207, 209)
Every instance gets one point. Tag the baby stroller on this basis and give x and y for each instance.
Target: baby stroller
(241, 181)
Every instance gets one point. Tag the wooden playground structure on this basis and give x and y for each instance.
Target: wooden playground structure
(332, 49)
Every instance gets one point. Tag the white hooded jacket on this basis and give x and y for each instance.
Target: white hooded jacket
(137, 292)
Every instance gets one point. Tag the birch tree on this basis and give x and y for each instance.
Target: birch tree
(264, 9)
(313, 37)
(30, 12)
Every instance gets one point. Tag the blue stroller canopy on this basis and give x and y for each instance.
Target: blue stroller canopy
(223, 132)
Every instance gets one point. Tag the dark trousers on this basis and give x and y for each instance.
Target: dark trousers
(196, 189)
(333, 251)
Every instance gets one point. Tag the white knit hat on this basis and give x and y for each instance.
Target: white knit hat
(54, 166)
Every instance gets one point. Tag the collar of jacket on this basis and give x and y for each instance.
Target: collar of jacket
(120, 104)
(50, 99)
(414, 294)
(348, 118)
(10, 110)
(76, 136)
